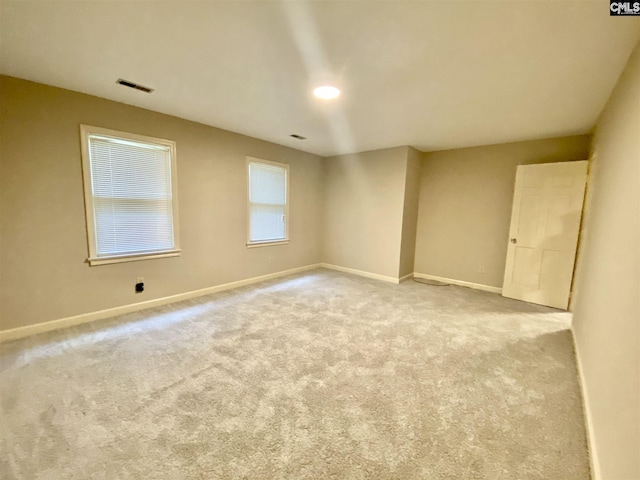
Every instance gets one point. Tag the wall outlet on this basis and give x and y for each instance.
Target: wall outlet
(270, 260)
(481, 269)
(139, 285)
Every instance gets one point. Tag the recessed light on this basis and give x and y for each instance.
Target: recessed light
(326, 92)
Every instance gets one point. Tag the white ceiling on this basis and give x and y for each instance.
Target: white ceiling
(432, 74)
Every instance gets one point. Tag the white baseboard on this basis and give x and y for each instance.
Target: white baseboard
(28, 330)
(591, 441)
(361, 273)
(408, 276)
(462, 283)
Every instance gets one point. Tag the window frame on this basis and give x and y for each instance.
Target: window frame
(267, 243)
(87, 181)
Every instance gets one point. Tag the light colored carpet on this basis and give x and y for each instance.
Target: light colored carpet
(322, 375)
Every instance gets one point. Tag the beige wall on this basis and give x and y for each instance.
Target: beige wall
(410, 212)
(606, 320)
(465, 205)
(364, 199)
(44, 245)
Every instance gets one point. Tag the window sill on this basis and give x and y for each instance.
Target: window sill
(267, 244)
(132, 258)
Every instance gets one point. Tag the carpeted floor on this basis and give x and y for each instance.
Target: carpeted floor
(316, 376)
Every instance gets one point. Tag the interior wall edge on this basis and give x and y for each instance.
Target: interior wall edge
(460, 283)
(361, 273)
(586, 410)
(406, 277)
(363, 211)
(48, 326)
(34, 329)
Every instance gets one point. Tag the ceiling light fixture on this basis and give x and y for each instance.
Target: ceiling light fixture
(326, 92)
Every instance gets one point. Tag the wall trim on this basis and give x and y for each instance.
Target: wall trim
(28, 330)
(361, 273)
(461, 283)
(406, 277)
(586, 410)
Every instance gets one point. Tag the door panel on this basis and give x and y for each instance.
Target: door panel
(529, 210)
(555, 271)
(526, 267)
(543, 236)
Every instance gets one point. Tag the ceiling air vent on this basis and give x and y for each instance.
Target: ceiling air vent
(299, 137)
(129, 84)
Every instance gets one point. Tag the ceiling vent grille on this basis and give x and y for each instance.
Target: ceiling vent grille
(137, 86)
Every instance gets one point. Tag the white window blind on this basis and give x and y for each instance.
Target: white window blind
(132, 198)
(267, 202)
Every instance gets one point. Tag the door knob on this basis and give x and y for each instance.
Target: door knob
(513, 240)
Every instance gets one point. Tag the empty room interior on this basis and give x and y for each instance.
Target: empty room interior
(319, 239)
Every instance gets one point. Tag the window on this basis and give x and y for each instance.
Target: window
(268, 202)
(130, 196)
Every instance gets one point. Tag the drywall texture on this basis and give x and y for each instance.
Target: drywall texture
(44, 240)
(364, 201)
(410, 212)
(606, 321)
(465, 205)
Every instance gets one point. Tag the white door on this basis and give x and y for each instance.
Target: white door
(543, 237)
